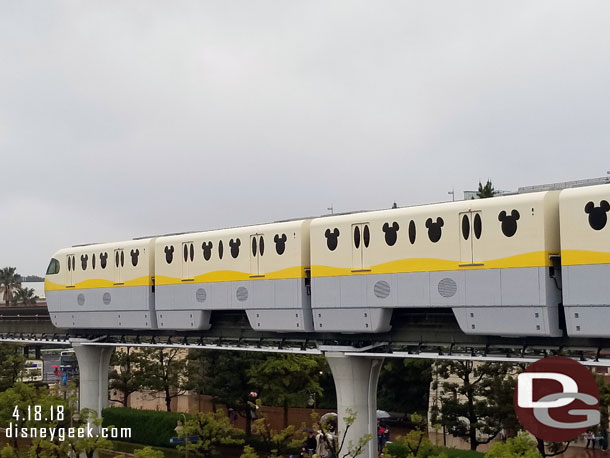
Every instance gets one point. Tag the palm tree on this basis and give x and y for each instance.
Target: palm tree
(486, 191)
(9, 280)
(25, 296)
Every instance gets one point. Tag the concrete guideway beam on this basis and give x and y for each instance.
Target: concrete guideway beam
(93, 363)
(356, 385)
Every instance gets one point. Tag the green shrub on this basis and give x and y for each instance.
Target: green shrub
(148, 427)
(426, 450)
(520, 446)
(148, 452)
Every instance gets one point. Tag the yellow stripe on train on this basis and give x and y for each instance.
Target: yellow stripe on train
(98, 283)
(534, 259)
(582, 257)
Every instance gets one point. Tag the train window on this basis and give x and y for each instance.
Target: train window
(192, 252)
(357, 236)
(435, 230)
(53, 267)
(122, 258)
(116, 258)
(509, 222)
(280, 243)
(169, 254)
(186, 252)
(477, 226)
(134, 256)
(390, 232)
(207, 250)
(366, 236)
(465, 227)
(103, 259)
(261, 245)
(412, 232)
(332, 238)
(220, 249)
(235, 244)
(93, 261)
(83, 261)
(253, 246)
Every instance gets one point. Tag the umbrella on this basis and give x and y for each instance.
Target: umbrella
(330, 416)
(382, 414)
(54, 366)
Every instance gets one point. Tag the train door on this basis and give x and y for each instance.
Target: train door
(70, 262)
(257, 250)
(470, 232)
(119, 263)
(361, 237)
(188, 255)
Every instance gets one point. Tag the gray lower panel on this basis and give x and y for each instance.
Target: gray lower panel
(586, 285)
(352, 320)
(498, 294)
(276, 302)
(592, 321)
(184, 319)
(280, 320)
(103, 320)
(131, 307)
(509, 321)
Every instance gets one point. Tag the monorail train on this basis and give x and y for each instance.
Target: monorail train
(497, 263)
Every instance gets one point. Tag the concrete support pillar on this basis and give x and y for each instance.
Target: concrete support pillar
(93, 365)
(356, 384)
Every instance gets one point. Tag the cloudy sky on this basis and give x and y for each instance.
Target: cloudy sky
(123, 119)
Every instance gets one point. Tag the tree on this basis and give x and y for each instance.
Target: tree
(13, 364)
(286, 380)
(404, 385)
(25, 296)
(127, 375)
(486, 191)
(9, 280)
(278, 442)
(474, 400)
(165, 369)
(212, 429)
(225, 375)
(416, 441)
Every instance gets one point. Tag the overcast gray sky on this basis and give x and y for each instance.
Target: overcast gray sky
(122, 119)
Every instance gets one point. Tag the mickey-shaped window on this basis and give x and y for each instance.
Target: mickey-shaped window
(332, 238)
(435, 229)
(280, 243)
(134, 256)
(509, 222)
(169, 253)
(103, 259)
(207, 250)
(597, 215)
(390, 231)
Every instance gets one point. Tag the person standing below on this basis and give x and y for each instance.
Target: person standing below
(381, 437)
(590, 439)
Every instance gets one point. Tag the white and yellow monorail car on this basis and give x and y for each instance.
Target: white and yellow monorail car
(102, 286)
(488, 260)
(585, 259)
(260, 269)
